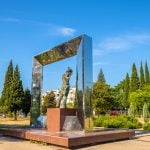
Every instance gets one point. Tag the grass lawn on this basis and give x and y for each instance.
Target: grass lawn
(21, 121)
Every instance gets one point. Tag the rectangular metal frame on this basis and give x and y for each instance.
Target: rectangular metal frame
(80, 46)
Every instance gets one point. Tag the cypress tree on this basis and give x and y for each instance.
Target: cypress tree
(17, 93)
(5, 98)
(26, 102)
(134, 83)
(101, 77)
(142, 78)
(146, 114)
(132, 110)
(126, 90)
(147, 77)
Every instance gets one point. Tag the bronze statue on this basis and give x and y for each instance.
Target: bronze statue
(61, 102)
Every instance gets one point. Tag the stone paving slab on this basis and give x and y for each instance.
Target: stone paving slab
(139, 142)
(69, 139)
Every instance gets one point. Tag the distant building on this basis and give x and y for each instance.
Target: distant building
(71, 95)
(70, 98)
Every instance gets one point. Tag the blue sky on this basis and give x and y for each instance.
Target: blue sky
(120, 30)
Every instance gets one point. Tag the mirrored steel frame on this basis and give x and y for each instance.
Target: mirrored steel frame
(82, 48)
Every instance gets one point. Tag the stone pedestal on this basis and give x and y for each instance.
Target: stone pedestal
(72, 124)
(56, 118)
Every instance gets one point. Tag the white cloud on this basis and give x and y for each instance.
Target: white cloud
(66, 31)
(116, 43)
(54, 30)
(139, 38)
(100, 63)
(121, 43)
(98, 52)
(9, 19)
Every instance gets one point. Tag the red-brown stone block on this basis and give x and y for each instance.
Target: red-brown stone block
(69, 139)
(56, 118)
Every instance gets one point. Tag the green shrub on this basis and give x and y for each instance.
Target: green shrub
(145, 112)
(121, 121)
(112, 123)
(146, 126)
(98, 122)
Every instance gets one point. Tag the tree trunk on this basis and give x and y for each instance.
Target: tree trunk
(26, 114)
(4, 115)
(15, 115)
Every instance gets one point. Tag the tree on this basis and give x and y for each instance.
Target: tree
(1, 108)
(101, 77)
(147, 77)
(48, 102)
(145, 112)
(17, 93)
(142, 78)
(102, 97)
(126, 91)
(140, 97)
(119, 94)
(134, 83)
(132, 110)
(26, 102)
(6, 92)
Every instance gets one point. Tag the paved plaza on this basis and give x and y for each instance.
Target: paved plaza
(140, 142)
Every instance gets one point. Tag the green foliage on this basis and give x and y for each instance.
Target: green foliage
(26, 102)
(6, 92)
(120, 86)
(146, 114)
(102, 98)
(121, 121)
(132, 110)
(142, 78)
(17, 93)
(48, 102)
(146, 126)
(70, 105)
(101, 77)
(87, 96)
(130, 92)
(1, 109)
(147, 77)
(140, 97)
(134, 83)
(119, 96)
(99, 122)
(126, 91)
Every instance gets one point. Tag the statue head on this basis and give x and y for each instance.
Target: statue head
(69, 71)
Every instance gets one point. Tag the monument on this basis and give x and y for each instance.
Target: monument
(81, 47)
(61, 121)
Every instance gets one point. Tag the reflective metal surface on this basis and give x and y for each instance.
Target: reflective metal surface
(87, 81)
(62, 51)
(80, 46)
(37, 78)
